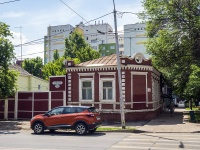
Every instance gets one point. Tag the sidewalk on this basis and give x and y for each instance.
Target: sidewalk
(164, 123)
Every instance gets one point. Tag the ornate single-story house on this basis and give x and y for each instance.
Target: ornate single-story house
(95, 83)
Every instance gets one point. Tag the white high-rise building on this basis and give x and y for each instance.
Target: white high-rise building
(134, 39)
(99, 33)
(95, 35)
(55, 40)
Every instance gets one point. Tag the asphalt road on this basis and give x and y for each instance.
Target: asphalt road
(27, 140)
(159, 141)
(163, 133)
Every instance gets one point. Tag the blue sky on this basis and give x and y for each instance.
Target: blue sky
(34, 16)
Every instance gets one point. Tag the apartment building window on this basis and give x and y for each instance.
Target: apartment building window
(94, 41)
(112, 47)
(94, 47)
(103, 48)
(121, 45)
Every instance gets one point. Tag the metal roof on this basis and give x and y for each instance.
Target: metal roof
(110, 60)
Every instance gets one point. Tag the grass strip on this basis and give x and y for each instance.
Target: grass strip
(130, 129)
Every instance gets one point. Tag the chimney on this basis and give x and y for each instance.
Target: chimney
(19, 62)
(69, 63)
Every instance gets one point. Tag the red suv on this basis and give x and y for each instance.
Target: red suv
(82, 119)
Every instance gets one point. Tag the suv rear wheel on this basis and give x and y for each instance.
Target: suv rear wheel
(38, 128)
(81, 128)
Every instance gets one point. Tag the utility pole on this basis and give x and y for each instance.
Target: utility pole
(119, 72)
(20, 39)
(130, 46)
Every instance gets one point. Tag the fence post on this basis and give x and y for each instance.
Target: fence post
(16, 106)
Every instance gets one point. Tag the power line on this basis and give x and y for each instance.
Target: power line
(60, 32)
(31, 54)
(38, 41)
(9, 2)
(83, 18)
(100, 17)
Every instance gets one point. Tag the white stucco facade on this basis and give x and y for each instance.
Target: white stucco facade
(55, 39)
(99, 33)
(134, 39)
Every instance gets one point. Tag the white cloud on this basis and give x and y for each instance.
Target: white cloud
(11, 15)
(16, 40)
(30, 51)
(61, 15)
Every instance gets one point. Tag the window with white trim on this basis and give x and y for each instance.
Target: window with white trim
(87, 90)
(86, 87)
(107, 90)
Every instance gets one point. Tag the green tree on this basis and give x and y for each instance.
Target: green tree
(56, 67)
(173, 27)
(76, 47)
(56, 55)
(8, 77)
(33, 66)
(8, 84)
(192, 89)
(6, 47)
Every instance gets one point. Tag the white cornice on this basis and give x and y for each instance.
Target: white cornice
(110, 68)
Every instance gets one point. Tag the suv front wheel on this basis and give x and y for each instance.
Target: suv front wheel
(38, 128)
(81, 129)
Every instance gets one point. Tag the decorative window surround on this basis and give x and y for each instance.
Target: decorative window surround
(107, 73)
(101, 80)
(80, 87)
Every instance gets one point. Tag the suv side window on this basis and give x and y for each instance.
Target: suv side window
(56, 111)
(80, 109)
(69, 110)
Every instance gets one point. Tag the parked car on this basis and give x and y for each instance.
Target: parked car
(176, 100)
(82, 119)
